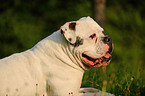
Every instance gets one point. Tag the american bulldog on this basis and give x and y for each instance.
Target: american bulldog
(55, 65)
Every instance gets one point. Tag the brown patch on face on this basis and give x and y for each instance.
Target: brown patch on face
(61, 31)
(72, 26)
(92, 36)
(78, 42)
(69, 39)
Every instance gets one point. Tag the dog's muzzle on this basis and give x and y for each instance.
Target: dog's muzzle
(104, 60)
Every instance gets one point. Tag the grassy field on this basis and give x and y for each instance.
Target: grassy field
(117, 78)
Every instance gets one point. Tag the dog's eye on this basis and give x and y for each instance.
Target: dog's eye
(92, 36)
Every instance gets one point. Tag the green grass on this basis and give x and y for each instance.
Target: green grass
(117, 79)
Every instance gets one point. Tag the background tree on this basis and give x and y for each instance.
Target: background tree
(98, 8)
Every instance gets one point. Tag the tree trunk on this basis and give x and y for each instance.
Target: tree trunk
(98, 11)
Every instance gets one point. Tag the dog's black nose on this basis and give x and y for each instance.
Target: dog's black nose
(107, 40)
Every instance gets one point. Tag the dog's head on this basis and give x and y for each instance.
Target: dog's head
(93, 47)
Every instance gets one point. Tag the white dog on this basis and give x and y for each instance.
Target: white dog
(55, 66)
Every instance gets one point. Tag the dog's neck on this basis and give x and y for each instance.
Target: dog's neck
(64, 71)
(60, 50)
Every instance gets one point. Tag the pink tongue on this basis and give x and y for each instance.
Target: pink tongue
(107, 55)
(88, 61)
(99, 60)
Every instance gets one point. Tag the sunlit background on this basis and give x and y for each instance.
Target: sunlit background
(25, 22)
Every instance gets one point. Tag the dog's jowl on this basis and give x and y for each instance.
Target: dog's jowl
(55, 65)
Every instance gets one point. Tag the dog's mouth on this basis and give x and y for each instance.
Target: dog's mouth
(96, 62)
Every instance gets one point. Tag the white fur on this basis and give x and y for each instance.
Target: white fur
(46, 68)
(52, 67)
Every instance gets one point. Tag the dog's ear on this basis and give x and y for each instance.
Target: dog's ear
(69, 31)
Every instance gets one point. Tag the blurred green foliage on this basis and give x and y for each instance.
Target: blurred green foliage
(25, 22)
